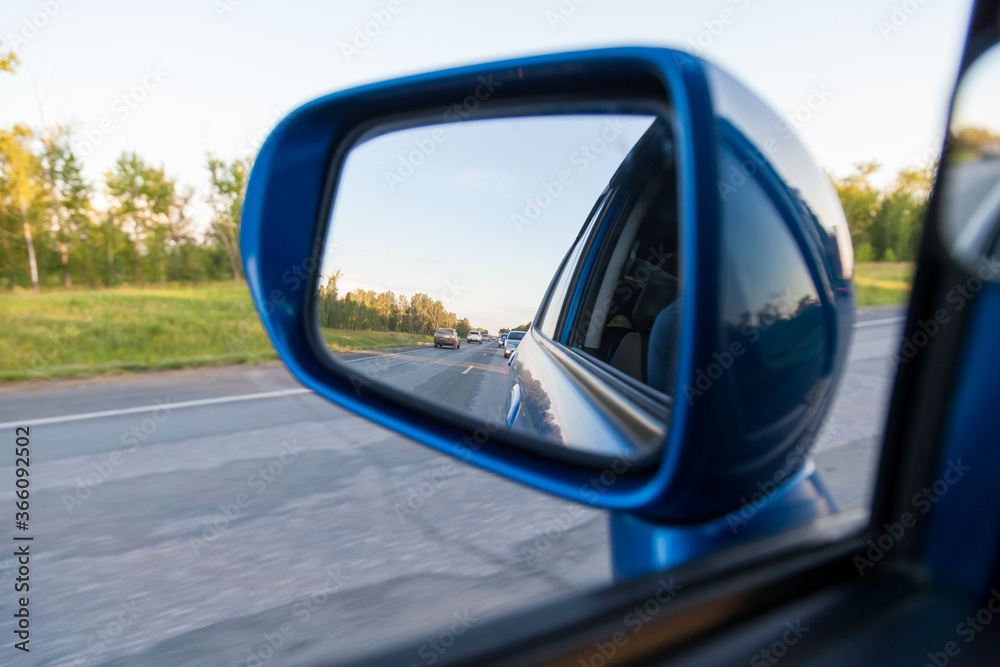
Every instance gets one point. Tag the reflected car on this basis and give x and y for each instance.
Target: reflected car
(501, 339)
(447, 338)
(475, 337)
(511, 342)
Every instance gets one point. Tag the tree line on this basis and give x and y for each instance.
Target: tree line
(56, 228)
(367, 310)
(886, 224)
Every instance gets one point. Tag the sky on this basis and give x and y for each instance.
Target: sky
(978, 98)
(176, 80)
(482, 223)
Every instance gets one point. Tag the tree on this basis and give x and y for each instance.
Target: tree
(21, 186)
(67, 195)
(895, 229)
(146, 208)
(226, 200)
(8, 62)
(860, 199)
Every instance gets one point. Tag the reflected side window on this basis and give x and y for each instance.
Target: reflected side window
(549, 321)
(630, 309)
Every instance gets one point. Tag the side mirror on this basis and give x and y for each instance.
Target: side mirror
(683, 265)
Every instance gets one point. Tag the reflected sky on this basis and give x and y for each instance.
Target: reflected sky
(477, 214)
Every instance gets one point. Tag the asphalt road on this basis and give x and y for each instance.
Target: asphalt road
(471, 380)
(253, 523)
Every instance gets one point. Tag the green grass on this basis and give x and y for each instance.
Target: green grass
(342, 340)
(882, 283)
(72, 333)
(77, 333)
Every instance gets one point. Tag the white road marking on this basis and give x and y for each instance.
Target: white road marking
(875, 323)
(385, 354)
(153, 408)
(253, 397)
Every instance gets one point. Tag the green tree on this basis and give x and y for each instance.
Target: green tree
(147, 209)
(228, 183)
(859, 198)
(22, 188)
(68, 198)
(895, 230)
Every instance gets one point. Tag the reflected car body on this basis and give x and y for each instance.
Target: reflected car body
(475, 337)
(501, 339)
(511, 342)
(447, 338)
(782, 230)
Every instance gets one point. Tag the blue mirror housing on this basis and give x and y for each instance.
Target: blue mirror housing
(767, 298)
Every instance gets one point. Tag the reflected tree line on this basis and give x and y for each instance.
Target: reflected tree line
(367, 310)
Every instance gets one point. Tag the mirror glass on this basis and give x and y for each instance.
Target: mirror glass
(970, 217)
(522, 272)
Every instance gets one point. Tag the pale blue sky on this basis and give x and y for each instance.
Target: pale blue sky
(978, 98)
(230, 77)
(216, 75)
(459, 227)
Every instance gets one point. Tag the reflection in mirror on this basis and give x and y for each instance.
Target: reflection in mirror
(522, 272)
(971, 181)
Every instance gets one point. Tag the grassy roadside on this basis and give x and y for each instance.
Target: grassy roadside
(77, 333)
(882, 283)
(342, 340)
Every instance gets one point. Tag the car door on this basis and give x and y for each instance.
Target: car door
(557, 391)
(913, 582)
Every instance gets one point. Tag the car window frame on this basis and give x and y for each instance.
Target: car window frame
(552, 293)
